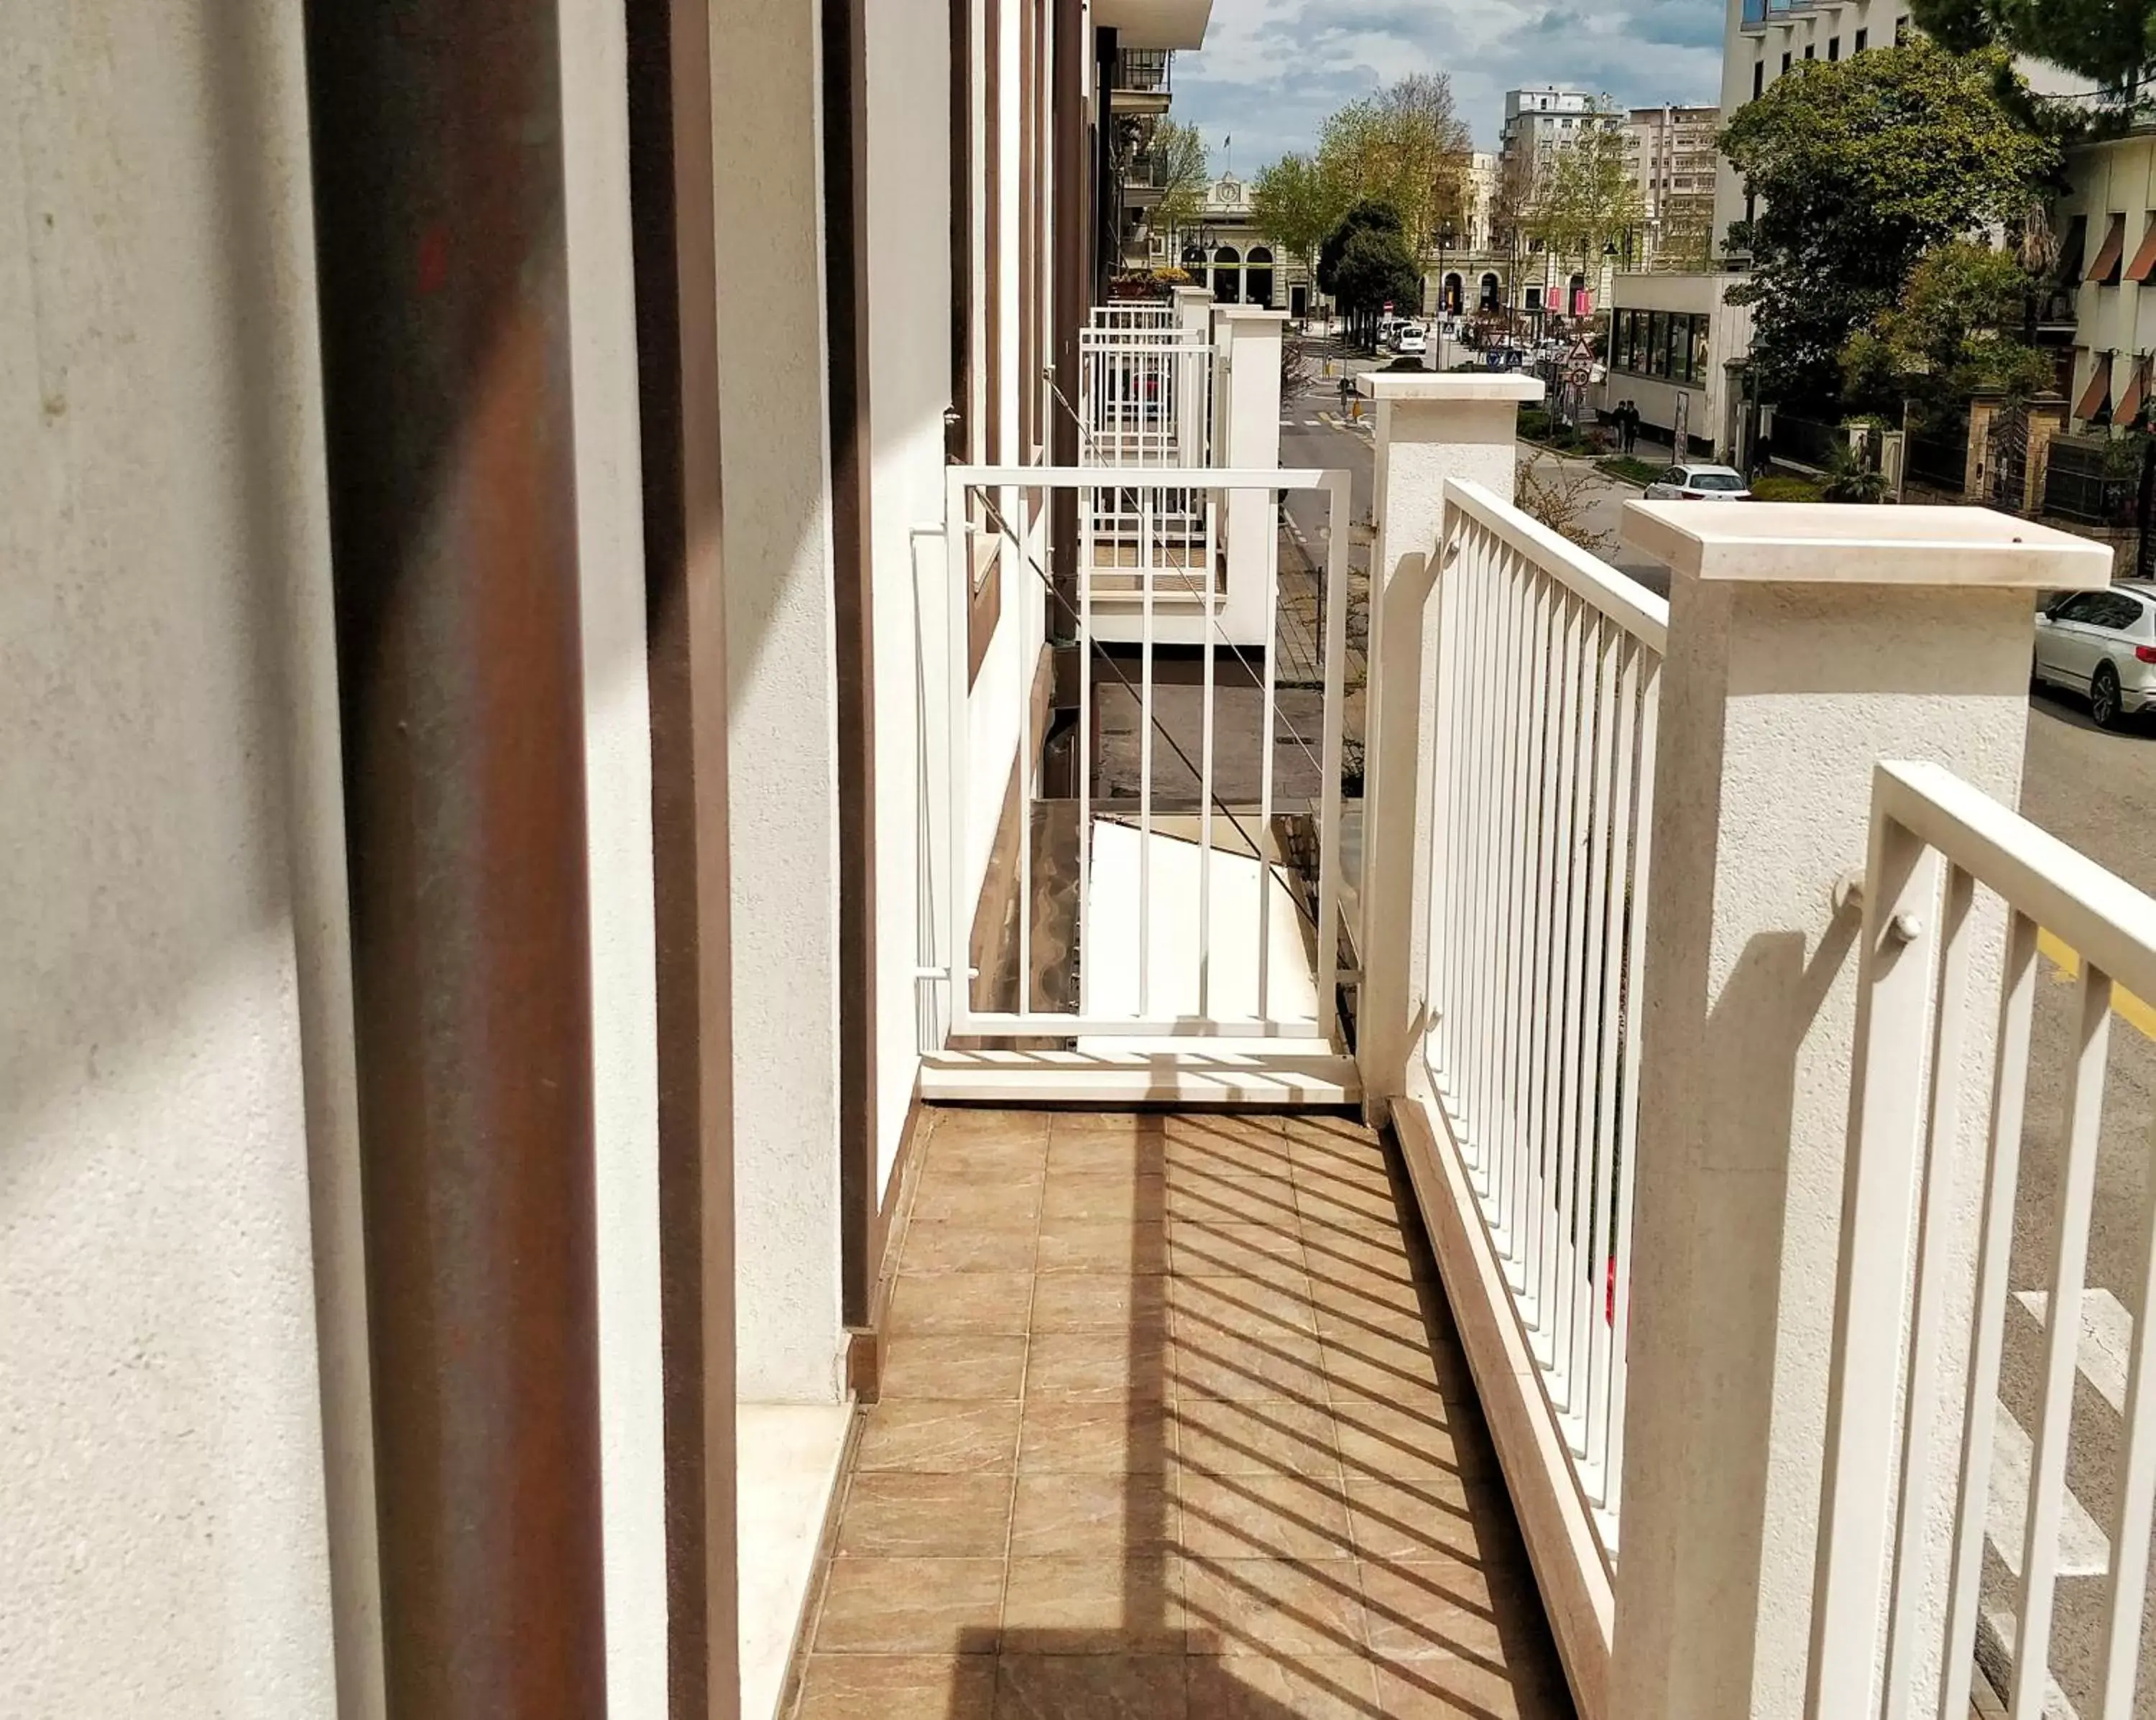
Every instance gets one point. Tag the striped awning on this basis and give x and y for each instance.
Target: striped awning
(2104, 270)
(2097, 395)
(2144, 260)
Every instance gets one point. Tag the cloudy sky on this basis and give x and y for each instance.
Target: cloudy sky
(1270, 70)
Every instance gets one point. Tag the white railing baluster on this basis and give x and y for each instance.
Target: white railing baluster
(2062, 1327)
(1087, 500)
(2135, 1513)
(1145, 753)
(1016, 547)
(1543, 744)
(1995, 1253)
(1269, 717)
(1205, 787)
(1336, 674)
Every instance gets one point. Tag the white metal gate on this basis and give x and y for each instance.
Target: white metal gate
(1166, 1008)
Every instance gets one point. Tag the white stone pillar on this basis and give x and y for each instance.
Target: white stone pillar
(1246, 402)
(1194, 311)
(1806, 643)
(1430, 428)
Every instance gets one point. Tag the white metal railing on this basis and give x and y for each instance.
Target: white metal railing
(1124, 317)
(1172, 974)
(1146, 400)
(1909, 1484)
(1540, 779)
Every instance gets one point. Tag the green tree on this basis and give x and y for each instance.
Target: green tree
(1589, 198)
(1367, 261)
(1860, 167)
(1181, 172)
(1296, 207)
(2112, 41)
(1951, 333)
(1405, 147)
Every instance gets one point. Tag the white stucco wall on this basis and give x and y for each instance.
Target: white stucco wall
(1729, 339)
(909, 387)
(618, 801)
(782, 741)
(169, 904)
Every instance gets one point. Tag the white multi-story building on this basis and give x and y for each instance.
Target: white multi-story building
(1547, 117)
(1671, 153)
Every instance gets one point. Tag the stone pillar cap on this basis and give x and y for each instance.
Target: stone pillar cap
(1248, 313)
(1859, 543)
(1448, 385)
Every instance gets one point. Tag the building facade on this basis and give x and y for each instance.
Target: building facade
(1672, 155)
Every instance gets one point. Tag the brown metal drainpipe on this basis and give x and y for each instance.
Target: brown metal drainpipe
(1073, 295)
(670, 172)
(436, 133)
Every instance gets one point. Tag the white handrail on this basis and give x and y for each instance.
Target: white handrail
(1907, 1431)
(1540, 779)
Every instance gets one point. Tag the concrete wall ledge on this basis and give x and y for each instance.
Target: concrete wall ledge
(1448, 385)
(1852, 543)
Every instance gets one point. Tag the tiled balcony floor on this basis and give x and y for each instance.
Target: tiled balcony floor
(1174, 1426)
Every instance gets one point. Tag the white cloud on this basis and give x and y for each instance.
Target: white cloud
(1271, 70)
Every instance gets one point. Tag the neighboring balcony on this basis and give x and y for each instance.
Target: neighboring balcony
(1142, 84)
(1685, 947)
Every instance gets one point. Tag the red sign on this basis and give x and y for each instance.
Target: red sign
(1388, 307)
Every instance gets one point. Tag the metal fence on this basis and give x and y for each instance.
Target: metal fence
(2079, 484)
(1541, 780)
(1938, 456)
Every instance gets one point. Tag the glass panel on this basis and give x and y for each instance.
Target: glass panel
(1697, 370)
(1658, 344)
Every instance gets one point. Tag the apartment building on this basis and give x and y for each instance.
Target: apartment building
(1547, 117)
(1672, 155)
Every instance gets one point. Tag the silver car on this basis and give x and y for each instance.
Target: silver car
(1697, 483)
(2102, 644)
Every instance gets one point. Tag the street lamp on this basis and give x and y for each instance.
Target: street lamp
(1446, 309)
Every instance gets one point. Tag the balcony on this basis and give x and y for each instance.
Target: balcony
(1175, 1421)
(1653, 1130)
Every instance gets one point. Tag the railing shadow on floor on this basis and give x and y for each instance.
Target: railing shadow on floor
(1250, 1477)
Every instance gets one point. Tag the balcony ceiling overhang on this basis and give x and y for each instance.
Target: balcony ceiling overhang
(1154, 24)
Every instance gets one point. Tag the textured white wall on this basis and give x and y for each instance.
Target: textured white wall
(618, 793)
(910, 386)
(168, 903)
(783, 760)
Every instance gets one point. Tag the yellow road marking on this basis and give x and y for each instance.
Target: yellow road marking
(2128, 1008)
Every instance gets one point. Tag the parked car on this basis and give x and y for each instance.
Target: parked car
(2102, 644)
(1412, 341)
(1699, 483)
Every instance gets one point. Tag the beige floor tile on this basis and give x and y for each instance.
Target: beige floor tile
(1121, 1196)
(954, 1365)
(1211, 1360)
(1097, 1364)
(928, 1435)
(1323, 1202)
(1075, 1685)
(996, 1303)
(1445, 1609)
(986, 1158)
(1350, 1289)
(1059, 1516)
(908, 1605)
(1087, 1245)
(1106, 1300)
(1252, 1687)
(1417, 1518)
(1335, 1254)
(1206, 1199)
(848, 1686)
(1212, 1247)
(1269, 1607)
(1462, 1690)
(1226, 1142)
(1406, 1434)
(1242, 1305)
(958, 1246)
(1079, 1436)
(1262, 1516)
(978, 1122)
(1118, 1605)
(1105, 1152)
(956, 1199)
(1270, 1436)
(897, 1514)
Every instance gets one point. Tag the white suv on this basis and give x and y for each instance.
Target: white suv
(2102, 643)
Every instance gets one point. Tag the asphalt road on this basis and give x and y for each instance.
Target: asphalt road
(2097, 792)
